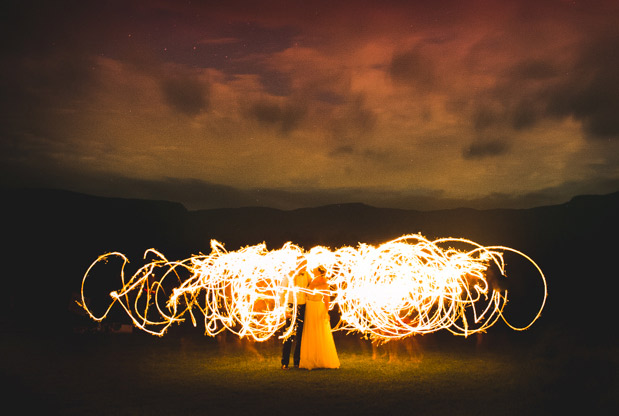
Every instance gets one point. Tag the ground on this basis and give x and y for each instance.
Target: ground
(119, 373)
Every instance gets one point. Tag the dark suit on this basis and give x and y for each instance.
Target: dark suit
(296, 337)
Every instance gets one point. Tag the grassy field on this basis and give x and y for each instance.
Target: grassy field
(123, 374)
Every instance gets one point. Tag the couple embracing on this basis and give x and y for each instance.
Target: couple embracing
(314, 345)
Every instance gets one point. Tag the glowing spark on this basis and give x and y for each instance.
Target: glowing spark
(406, 286)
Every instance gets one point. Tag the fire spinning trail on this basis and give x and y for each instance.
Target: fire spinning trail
(404, 287)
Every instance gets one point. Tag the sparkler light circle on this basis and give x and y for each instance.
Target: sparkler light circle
(406, 286)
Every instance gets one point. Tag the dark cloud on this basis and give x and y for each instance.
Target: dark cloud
(485, 148)
(534, 89)
(515, 100)
(517, 112)
(287, 117)
(276, 83)
(330, 97)
(525, 115)
(413, 68)
(583, 86)
(533, 69)
(354, 122)
(342, 151)
(484, 118)
(590, 93)
(186, 95)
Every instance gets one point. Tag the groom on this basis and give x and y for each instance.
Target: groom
(301, 280)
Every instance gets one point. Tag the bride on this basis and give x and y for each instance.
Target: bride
(317, 345)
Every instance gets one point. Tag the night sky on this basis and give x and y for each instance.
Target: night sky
(408, 104)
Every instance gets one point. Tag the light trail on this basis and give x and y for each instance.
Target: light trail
(403, 287)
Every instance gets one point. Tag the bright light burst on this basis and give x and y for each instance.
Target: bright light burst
(406, 286)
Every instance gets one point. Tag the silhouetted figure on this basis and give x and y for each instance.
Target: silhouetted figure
(301, 280)
(391, 349)
(227, 342)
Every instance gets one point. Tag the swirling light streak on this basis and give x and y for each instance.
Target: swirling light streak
(403, 287)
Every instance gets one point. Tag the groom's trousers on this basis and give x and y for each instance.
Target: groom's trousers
(296, 337)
